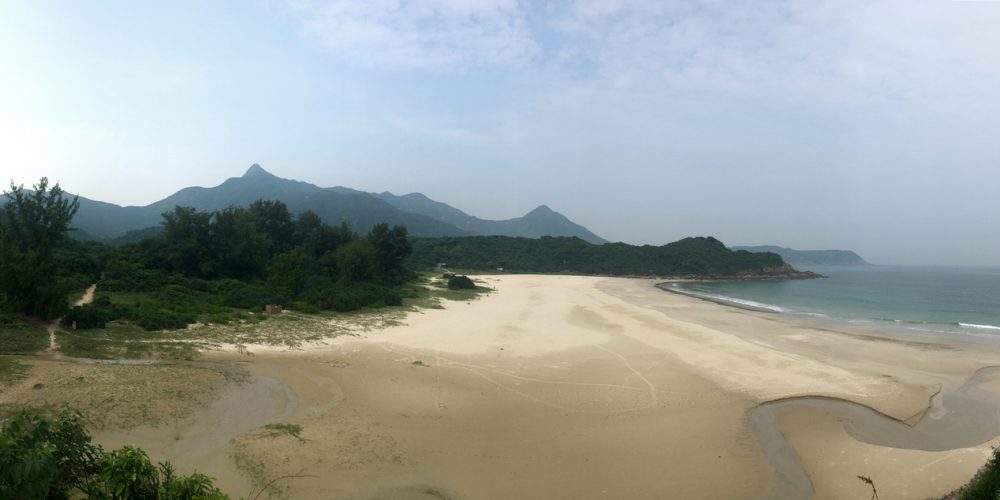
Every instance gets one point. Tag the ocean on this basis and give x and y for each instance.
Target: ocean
(929, 300)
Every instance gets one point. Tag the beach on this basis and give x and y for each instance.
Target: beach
(589, 387)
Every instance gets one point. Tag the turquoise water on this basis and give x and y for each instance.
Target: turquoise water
(928, 299)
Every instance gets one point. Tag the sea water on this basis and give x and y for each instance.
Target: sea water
(927, 299)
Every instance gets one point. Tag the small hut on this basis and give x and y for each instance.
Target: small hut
(272, 309)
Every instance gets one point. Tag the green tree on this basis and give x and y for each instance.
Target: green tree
(239, 247)
(33, 226)
(355, 261)
(292, 271)
(275, 221)
(391, 247)
(53, 458)
(186, 239)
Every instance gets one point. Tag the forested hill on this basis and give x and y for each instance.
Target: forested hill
(702, 257)
(811, 257)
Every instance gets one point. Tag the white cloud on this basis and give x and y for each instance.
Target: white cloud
(440, 34)
(853, 53)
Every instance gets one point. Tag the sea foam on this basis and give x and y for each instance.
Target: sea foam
(981, 327)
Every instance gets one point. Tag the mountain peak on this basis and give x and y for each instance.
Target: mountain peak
(541, 210)
(256, 171)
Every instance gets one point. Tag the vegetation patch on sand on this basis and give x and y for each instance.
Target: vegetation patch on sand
(265, 457)
(11, 371)
(21, 337)
(119, 396)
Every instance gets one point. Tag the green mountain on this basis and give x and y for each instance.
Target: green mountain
(422, 216)
(811, 257)
(542, 221)
(702, 257)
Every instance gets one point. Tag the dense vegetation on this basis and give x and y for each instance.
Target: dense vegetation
(461, 283)
(201, 266)
(688, 257)
(985, 485)
(39, 264)
(208, 264)
(53, 458)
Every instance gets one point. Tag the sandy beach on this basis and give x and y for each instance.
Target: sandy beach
(585, 387)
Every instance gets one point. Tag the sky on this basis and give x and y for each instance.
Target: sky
(865, 125)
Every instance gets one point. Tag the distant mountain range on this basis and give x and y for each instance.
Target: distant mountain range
(811, 257)
(421, 215)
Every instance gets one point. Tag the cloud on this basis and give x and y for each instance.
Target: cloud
(437, 34)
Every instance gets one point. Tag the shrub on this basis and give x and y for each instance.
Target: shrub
(44, 457)
(245, 296)
(986, 483)
(151, 318)
(303, 307)
(345, 298)
(89, 316)
(461, 283)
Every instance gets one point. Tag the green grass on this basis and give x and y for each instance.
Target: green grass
(225, 325)
(11, 370)
(18, 336)
(277, 430)
(122, 340)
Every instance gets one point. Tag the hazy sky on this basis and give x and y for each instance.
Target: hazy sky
(873, 126)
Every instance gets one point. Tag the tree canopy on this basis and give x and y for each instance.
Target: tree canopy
(32, 227)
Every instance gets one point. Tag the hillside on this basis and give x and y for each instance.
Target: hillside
(703, 257)
(542, 221)
(421, 215)
(810, 257)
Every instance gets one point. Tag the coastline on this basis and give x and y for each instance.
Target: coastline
(585, 387)
(665, 286)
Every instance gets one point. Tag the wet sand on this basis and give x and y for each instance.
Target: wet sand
(582, 387)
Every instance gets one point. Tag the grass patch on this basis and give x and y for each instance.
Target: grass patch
(18, 336)
(123, 396)
(277, 430)
(122, 340)
(11, 370)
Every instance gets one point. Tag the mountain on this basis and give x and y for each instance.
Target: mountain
(542, 221)
(422, 216)
(811, 257)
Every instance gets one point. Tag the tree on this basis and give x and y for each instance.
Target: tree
(275, 221)
(238, 246)
(33, 225)
(355, 261)
(186, 241)
(391, 247)
(53, 458)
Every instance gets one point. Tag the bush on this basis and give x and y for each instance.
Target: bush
(122, 276)
(90, 316)
(303, 307)
(151, 318)
(986, 483)
(245, 296)
(461, 283)
(345, 298)
(54, 458)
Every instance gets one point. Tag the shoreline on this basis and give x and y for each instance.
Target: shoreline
(585, 387)
(948, 332)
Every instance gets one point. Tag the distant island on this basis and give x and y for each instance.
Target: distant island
(810, 257)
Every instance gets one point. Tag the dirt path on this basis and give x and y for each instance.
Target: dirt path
(87, 298)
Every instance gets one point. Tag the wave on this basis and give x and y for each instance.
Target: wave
(726, 300)
(980, 327)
